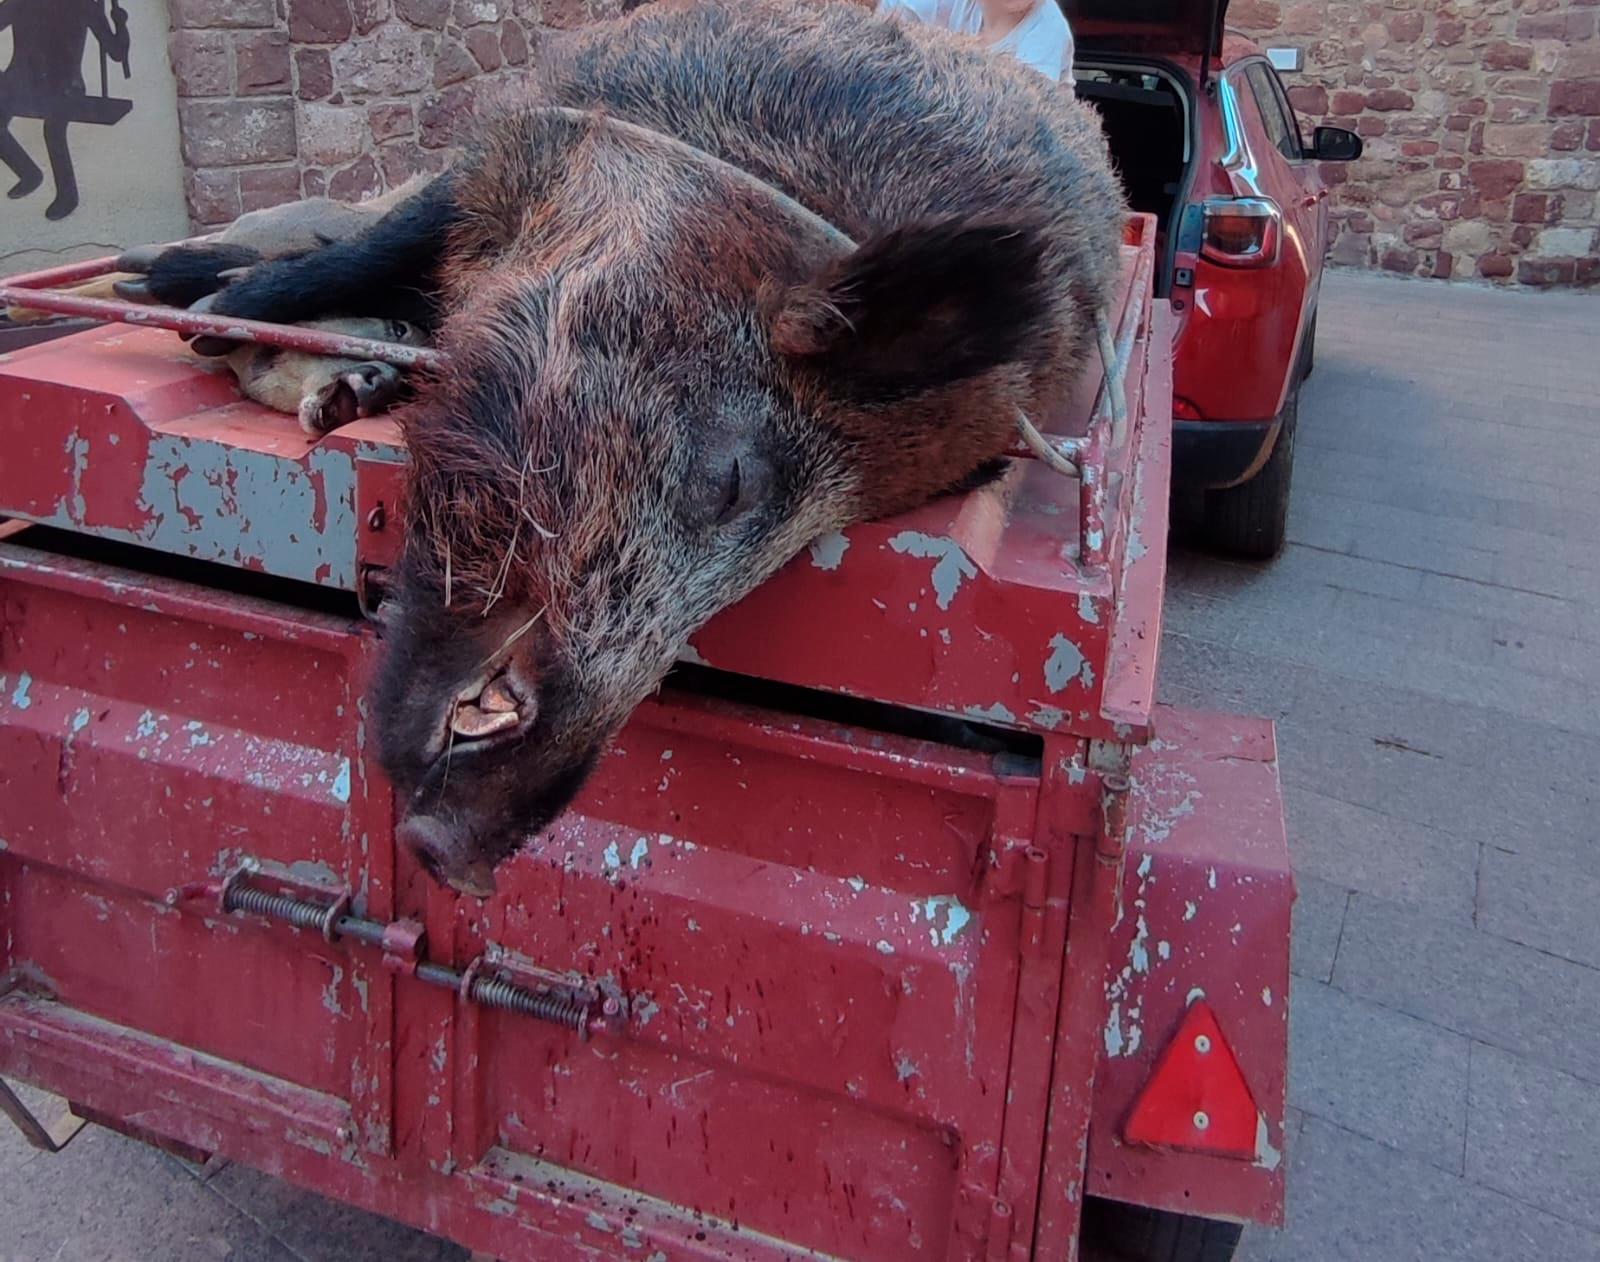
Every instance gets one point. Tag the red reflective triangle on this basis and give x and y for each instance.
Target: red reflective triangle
(1197, 1098)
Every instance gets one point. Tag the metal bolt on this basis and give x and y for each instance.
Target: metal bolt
(1202, 1043)
(344, 1134)
(1201, 1121)
(612, 1006)
(375, 518)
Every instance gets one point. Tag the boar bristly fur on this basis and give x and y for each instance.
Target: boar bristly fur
(733, 275)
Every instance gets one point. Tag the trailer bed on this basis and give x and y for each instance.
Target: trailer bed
(820, 964)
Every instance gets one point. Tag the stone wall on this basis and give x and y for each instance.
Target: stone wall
(1482, 127)
(280, 99)
(1481, 117)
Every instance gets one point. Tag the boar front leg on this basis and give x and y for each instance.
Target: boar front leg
(391, 268)
(179, 274)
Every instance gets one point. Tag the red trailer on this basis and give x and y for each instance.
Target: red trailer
(900, 922)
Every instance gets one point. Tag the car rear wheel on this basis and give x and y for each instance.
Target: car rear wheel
(1252, 519)
(1132, 1233)
(1308, 351)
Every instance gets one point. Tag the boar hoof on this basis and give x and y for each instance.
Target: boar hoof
(365, 390)
(134, 290)
(375, 385)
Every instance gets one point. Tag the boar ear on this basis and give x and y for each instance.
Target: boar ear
(916, 308)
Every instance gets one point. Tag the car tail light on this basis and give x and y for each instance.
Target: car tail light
(1183, 410)
(1241, 231)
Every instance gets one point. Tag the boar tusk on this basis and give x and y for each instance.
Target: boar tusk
(497, 699)
(474, 724)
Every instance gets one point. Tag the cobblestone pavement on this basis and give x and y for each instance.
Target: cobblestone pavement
(1429, 645)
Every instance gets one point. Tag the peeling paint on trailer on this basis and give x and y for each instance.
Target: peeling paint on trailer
(1048, 717)
(203, 498)
(945, 915)
(951, 563)
(827, 551)
(1066, 663)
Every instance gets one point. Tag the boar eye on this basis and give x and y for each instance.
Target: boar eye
(731, 494)
(735, 485)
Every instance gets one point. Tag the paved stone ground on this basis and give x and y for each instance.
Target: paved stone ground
(1430, 647)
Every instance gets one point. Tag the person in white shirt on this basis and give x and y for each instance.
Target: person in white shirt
(1035, 32)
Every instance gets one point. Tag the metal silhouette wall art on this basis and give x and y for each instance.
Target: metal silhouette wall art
(44, 80)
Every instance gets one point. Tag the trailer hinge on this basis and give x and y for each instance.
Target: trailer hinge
(488, 980)
(1112, 841)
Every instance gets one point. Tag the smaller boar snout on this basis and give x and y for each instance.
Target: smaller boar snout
(448, 856)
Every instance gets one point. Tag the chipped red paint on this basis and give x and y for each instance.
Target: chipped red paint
(864, 979)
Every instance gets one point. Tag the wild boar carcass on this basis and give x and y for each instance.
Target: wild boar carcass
(733, 276)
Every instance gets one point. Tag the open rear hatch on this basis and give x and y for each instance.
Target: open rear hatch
(1147, 107)
(1147, 26)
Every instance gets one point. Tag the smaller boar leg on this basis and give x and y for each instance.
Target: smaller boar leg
(388, 268)
(323, 391)
(180, 273)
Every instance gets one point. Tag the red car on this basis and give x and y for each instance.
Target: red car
(1205, 138)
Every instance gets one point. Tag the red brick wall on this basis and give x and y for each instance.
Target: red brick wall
(279, 99)
(1482, 128)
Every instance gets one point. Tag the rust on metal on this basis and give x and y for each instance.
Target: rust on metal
(39, 291)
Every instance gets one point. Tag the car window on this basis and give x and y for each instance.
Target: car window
(1295, 137)
(1276, 113)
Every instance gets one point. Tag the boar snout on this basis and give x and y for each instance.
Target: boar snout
(448, 856)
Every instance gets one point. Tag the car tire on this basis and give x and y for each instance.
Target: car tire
(1132, 1233)
(1308, 352)
(1251, 520)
